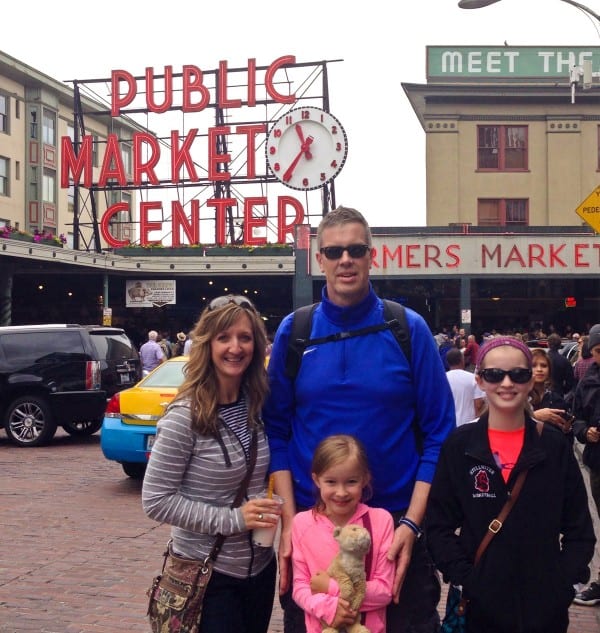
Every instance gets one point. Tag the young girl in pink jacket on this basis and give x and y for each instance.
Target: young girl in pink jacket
(341, 474)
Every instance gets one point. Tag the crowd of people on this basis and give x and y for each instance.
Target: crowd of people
(356, 424)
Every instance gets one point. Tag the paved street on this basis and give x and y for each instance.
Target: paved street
(77, 553)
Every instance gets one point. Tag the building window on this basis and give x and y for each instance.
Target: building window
(49, 128)
(4, 191)
(503, 212)
(502, 147)
(4, 114)
(33, 125)
(48, 194)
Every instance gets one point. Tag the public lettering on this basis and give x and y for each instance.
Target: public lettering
(189, 86)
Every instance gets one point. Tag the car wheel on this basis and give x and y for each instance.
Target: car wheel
(82, 428)
(29, 422)
(135, 470)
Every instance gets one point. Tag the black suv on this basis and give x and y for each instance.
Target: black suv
(61, 375)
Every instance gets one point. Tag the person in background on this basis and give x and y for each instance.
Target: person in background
(468, 397)
(341, 474)
(204, 446)
(187, 345)
(470, 352)
(363, 386)
(548, 405)
(526, 576)
(586, 409)
(151, 353)
(585, 359)
(562, 370)
(180, 344)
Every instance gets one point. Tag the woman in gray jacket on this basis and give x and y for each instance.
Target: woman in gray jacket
(200, 457)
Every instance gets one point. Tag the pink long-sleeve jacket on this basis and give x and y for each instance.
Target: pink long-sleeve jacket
(313, 549)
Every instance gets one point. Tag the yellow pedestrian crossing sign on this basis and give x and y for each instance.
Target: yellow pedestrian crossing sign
(589, 210)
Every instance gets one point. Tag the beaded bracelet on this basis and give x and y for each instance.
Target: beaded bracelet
(418, 532)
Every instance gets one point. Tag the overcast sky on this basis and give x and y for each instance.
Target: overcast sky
(382, 44)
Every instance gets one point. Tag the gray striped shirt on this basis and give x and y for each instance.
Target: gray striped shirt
(189, 486)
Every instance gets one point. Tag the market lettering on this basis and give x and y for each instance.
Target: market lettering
(417, 256)
(146, 154)
(195, 96)
(532, 256)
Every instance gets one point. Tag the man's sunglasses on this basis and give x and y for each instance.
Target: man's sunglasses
(519, 375)
(356, 251)
(221, 302)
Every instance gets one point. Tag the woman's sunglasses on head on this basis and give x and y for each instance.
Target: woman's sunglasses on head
(519, 375)
(356, 251)
(239, 300)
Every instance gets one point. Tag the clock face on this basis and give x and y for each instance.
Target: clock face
(306, 148)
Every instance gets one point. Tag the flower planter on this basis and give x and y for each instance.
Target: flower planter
(134, 251)
(250, 251)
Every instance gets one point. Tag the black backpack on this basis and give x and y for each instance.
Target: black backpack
(395, 320)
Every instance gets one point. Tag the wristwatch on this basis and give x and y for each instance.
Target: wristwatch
(306, 148)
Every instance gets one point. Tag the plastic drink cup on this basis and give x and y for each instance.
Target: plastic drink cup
(265, 536)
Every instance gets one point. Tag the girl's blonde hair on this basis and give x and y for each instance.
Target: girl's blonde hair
(334, 450)
(201, 385)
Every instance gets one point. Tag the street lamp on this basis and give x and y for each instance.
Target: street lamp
(478, 4)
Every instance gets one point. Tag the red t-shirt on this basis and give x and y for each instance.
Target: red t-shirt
(506, 447)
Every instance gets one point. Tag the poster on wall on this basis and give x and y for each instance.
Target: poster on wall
(149, 293)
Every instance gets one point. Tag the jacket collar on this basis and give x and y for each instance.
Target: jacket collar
(349, 315)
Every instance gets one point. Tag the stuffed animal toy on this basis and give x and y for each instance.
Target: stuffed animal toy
(348, 569)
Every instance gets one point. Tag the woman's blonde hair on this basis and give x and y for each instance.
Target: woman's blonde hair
(334, 450)
(201, 385)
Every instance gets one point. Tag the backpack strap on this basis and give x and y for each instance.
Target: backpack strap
(301, 327)
(394, 315)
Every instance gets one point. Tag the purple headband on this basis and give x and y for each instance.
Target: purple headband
(503, 340)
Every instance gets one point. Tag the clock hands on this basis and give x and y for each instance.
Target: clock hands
(300, 133)
(304, 149)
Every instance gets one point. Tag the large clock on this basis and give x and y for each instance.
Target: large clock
(306, 148)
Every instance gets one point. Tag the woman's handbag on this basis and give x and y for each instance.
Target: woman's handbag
(455, 620)
(177, 593)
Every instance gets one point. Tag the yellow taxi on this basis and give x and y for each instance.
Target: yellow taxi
(129, 425)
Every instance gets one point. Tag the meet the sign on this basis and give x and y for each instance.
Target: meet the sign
(505, 62)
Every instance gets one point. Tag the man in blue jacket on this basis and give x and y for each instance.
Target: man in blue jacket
(363, 386)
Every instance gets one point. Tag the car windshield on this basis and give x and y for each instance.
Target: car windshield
(169, 374)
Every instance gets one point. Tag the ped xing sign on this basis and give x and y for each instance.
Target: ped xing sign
(589, 210)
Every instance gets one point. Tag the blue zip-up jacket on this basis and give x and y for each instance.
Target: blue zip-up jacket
(362, 386)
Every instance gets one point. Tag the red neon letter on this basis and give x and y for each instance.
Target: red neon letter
(180, 221)
(224, 102)
(145, 225)
(251, 222)
(112, 154)
(286, 60)
(213, 158)
(76, 164)
(140, 167)
(116, 101)
(192, 82)
(105, 224)
(282, 228)
(182, 155)
(168, 87)
(221, 204)
(251, 83)
(251, 131)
